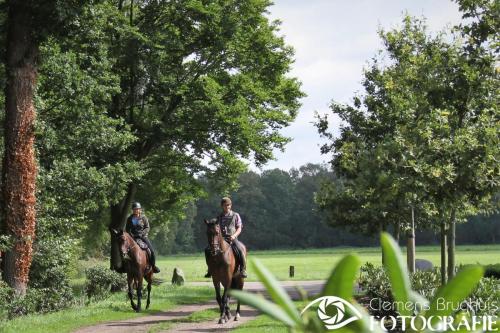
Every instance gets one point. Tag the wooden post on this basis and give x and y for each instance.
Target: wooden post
(292, 271)
(410, 248)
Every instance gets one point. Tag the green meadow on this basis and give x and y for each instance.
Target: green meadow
(316, 264)
(312, 264)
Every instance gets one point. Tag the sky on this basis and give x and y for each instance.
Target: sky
(333, 41)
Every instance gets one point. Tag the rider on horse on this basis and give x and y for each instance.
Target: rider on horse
(138, 227)
(231, 226)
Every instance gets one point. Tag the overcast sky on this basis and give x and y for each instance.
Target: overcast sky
(333, 40)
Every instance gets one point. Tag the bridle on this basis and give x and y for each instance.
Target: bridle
(129, 248)
(215, 246)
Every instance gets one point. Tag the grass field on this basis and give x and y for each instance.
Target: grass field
(315, 264)
(309, 264)
(115, 308)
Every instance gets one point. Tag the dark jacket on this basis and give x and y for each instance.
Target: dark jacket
(140, 230)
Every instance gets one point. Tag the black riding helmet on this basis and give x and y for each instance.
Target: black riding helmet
(136, 205)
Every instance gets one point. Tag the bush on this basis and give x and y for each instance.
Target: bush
(6, 294)
(102, 281)
(492, 271)
(40, 300)
(52, 260)
(484, 299)
(375, 282)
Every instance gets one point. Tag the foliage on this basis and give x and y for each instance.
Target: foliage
(102, 281)
(492, 271)
(284, 311)
(278, 210)
(196, 97)
(114, 308)
(423, 135)
(483, 300)
(52, 261)
(5, 243)
(36, 300)
(6, 295)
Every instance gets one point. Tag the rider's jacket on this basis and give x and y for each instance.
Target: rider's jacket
(137, 227)
(229, 223)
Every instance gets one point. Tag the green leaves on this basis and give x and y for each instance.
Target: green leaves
(277, 293)
(341, 281)
(268, 308)
(340, 284)
(284, 310)
(397, 272)
(449, 296)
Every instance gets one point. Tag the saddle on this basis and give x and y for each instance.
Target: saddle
(142, 244)
(144, 247)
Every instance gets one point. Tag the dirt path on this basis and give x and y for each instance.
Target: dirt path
(143, 324)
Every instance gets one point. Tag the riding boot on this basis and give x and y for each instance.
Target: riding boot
(243, 266)
(241, 259)
(207, 253)
(152, 259)
(153, 262)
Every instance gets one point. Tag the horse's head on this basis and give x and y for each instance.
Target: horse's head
(124, 243)
(214, 235)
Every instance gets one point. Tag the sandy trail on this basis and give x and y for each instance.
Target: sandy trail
(144, 324)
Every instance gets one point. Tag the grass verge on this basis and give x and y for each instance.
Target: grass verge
(117, 307)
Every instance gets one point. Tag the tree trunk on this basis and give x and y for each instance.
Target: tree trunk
(397, 231)
(19, 165)
(382, 229)
(451, 246)
(443, 251)
(410, 248)
(119, 213)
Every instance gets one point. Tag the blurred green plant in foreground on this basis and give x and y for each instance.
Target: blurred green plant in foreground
(341, 284)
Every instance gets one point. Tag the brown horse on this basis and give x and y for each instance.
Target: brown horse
(222, 266)
(136, 266)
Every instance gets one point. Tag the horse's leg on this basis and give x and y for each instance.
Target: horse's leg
(130, 281)
(150, 280)
(228, 311)
(219, 299)
(139, 293)
(225, 298)
(239, 286)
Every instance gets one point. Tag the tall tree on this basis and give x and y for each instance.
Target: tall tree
(203, 85)
(28, 24)
(428, 120)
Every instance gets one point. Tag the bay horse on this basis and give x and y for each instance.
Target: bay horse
(136, 266)
(222, 266)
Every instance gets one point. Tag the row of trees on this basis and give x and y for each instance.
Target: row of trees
(124, 100)
(421, 145)
(279, 211)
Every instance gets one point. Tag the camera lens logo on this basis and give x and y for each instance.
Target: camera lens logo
(339, 318)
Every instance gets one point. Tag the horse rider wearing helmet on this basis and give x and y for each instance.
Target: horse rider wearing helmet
(138, 227)
(231, 226)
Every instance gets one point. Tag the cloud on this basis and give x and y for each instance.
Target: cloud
(333, 41)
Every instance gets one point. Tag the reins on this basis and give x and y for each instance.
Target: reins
(216, 247)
